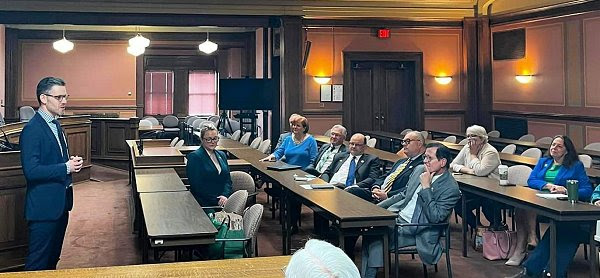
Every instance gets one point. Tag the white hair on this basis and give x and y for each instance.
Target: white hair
(320, 259)
(479, 131)
(344, 131)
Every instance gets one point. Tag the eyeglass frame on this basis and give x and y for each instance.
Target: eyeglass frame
(427, 159)
(60, 98)
(211, 140)
(407, 141)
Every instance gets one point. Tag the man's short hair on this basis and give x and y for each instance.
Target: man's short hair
(441, 152)
(46, 84)
(321, 259)
(344, 131)
(419, 136)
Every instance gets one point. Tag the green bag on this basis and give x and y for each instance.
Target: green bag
(229, 226)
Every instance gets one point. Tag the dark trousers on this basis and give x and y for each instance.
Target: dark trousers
(569, 236)
(362, 193)
(45, 243)
(488, 207)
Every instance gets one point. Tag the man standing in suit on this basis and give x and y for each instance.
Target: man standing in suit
(429, 197)
(394, 181)
(354, 167)
(47, 168)
(328, 151)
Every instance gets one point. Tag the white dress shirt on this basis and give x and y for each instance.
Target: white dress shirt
(215, 160)
(341, 175)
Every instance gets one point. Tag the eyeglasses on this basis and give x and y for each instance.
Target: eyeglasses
(59, 98)
(428, 158)
(407, 141)
(471, 136)
(211, 139)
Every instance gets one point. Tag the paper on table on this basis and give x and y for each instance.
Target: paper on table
(318, 186)
(306, 186)
(551, 195)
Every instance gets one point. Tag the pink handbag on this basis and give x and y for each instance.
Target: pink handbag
(499, 245)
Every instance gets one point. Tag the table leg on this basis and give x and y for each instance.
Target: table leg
(386, 253)
(553, 239)
(285, 209)
(464, 224)
(593, 251)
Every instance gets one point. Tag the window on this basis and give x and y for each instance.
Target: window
(202, 93)
(158, 93)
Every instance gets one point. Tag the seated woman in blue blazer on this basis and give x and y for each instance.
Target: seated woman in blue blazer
(300, 148)
(551, 173)
(207, 170)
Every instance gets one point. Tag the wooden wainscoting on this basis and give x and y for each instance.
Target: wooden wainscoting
(13, 230)
(108, 145)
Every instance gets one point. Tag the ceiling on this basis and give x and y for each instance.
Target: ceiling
(421, 10)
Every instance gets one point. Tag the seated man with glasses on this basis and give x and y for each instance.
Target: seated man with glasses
(328, 151)
(394, 181)
(208, 171)
(355, 167)
(428, 198)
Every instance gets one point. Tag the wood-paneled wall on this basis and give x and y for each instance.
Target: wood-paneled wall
(108, 145)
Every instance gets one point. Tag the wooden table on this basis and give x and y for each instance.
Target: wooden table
(525, 198)
(248, 267)
(174, 220)
(350, 214)
(158, 180)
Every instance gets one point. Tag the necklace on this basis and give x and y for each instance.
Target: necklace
(296, 141)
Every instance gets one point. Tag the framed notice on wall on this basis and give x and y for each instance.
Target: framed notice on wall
(337, 93)
(325, 92)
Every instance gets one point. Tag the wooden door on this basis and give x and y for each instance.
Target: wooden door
(383, 95)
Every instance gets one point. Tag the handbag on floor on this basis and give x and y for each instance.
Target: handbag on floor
(229, 226)
(499, 245)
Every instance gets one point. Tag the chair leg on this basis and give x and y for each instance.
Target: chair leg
(455, 217)
(585, 252)
(435, 267)
(425, 271)
(448, 264)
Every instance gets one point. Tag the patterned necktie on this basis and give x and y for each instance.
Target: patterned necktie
(388, 186)
(351, 170)
(61, 139)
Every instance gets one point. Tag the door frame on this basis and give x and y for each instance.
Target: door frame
(351, 56)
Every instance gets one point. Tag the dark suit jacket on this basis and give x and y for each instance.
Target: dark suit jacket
(312, 168)
(436, 205)
(206, 184)
(47, 196)
(400, 182)
(367, 169)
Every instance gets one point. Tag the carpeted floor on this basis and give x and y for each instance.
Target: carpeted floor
(99, 234)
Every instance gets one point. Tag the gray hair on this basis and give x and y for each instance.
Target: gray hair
(206, 127)
(479, 131)
(321, 259)
(419, 136)
(344, 131)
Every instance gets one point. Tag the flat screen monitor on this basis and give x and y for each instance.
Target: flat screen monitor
(246, 94)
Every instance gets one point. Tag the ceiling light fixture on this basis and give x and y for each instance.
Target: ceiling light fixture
(135, 50)
(64, 45)
(207, 46)
(139, 41)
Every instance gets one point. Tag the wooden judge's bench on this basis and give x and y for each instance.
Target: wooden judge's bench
(13, 227)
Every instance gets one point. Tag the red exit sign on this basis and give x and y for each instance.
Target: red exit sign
(383, 33)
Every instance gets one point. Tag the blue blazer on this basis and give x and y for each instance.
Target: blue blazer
(206, 184)
(575, 172)
(47, 196)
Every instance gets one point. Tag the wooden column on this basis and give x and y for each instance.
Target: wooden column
(470, 72)
(484, 74)
(291, 67)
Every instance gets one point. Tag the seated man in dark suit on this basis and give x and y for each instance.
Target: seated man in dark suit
(328, 151)
(394, 181)
(429, 197)
(354, 167)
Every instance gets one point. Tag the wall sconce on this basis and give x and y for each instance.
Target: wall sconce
(322, 79)
(524, 78)
(443, 80)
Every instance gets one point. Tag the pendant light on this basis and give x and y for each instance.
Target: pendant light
(207, 46)
(138, 44)
(64, 45)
